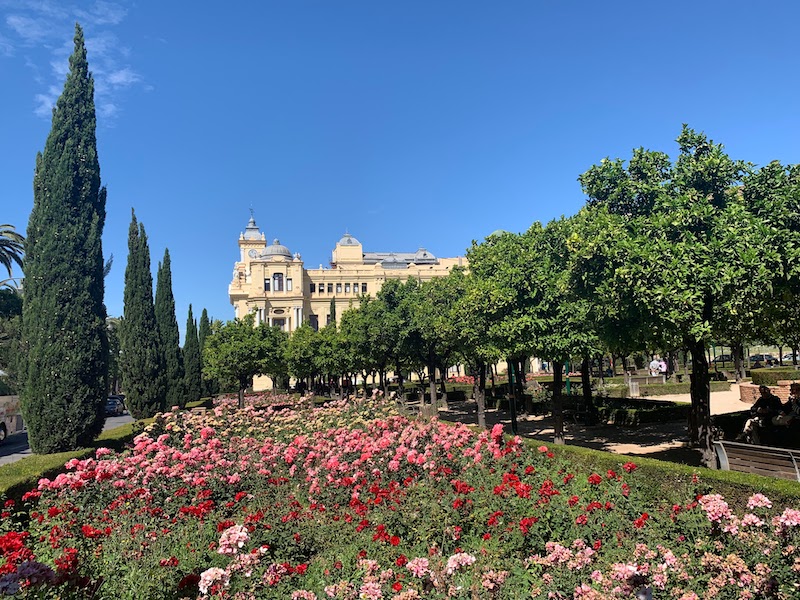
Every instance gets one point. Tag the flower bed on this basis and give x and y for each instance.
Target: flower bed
(353, 501)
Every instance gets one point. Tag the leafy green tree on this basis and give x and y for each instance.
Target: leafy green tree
(237, 351)
(143, 371)
(678, 265)
(63, 316)
(300, 353)
(191, 360)
(168, 335)
(432, 334)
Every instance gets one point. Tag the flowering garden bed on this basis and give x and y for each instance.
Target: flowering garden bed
(354, 501)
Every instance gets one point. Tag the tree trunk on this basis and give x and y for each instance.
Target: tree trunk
(491, 373)
(737, 349)
(432, 387)
(512, 394)
(443, 372)
(586, 381)
(558, 403)
(479, 392)
(241, 397)
(700, 414)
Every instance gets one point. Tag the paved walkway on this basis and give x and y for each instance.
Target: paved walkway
(662, 441)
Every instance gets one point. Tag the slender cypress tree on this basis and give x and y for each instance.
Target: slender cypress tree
(191, 360)
(333, 310)
(205, 329)
(168, 334)
(143, 372)
(64, 328)
(209, 384)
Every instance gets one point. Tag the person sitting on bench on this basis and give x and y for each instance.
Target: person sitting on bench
(790, 412)
(766, 407)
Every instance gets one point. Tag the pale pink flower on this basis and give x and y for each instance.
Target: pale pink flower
(418, 567)
(457, 561)
(232, 539)
(759, 501)
(370, 591)
(213, 576)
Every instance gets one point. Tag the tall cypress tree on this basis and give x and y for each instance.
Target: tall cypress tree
(191, 359)
(65, 378)
(143, 372)
(205, 329)
(168, 335)
(209, 385)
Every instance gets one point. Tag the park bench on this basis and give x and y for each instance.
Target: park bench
(783, 463)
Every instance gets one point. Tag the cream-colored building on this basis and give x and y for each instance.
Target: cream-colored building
(272, 282)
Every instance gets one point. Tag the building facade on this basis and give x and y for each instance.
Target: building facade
(272, 283)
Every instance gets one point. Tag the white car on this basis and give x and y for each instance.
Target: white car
(789, 357)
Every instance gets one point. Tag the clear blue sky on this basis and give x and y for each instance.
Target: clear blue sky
(412, 123)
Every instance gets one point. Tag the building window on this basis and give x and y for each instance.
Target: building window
(288, 284)
(313, 320)
(313, 287)
(346, 288)
(266, 285)
(330, 288)
(355, 288)
(338, 288)
(363, 288)
(328, 322)
(277, 282)
(280, 323)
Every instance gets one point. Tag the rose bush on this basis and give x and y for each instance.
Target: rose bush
(351, 500)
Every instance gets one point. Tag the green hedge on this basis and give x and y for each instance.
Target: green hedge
(769, 376)
(663, 389)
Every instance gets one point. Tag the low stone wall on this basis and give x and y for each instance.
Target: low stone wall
(748, 392)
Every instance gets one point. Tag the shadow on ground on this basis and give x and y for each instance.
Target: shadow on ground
(662, 441)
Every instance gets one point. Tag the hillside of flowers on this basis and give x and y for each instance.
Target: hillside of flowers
(353, 501)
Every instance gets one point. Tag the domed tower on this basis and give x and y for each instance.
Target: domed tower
(348, 251)
(251, 239)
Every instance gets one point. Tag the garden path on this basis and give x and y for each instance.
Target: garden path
(662, 441)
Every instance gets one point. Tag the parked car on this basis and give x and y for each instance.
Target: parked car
(762, 358)
(723, 358)
(114, 406)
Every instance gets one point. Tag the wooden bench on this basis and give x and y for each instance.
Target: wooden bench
(761, 460)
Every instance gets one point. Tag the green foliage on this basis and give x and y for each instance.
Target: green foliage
(168, 335)
(64, 329)
(10, 303)
(114, 349)
(209, 385)
(300, 352)
(773, 376)
(143, 371)
(236, 351)
(11, 247)
(191, 360)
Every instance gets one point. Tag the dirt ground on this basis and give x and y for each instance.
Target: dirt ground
(662, 441)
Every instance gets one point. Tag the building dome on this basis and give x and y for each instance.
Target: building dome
(276, 249)
(348, 240)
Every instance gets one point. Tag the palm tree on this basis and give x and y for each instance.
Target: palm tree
(11, 247)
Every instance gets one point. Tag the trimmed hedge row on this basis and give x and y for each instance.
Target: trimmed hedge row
(772, 376)
(663, 389)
